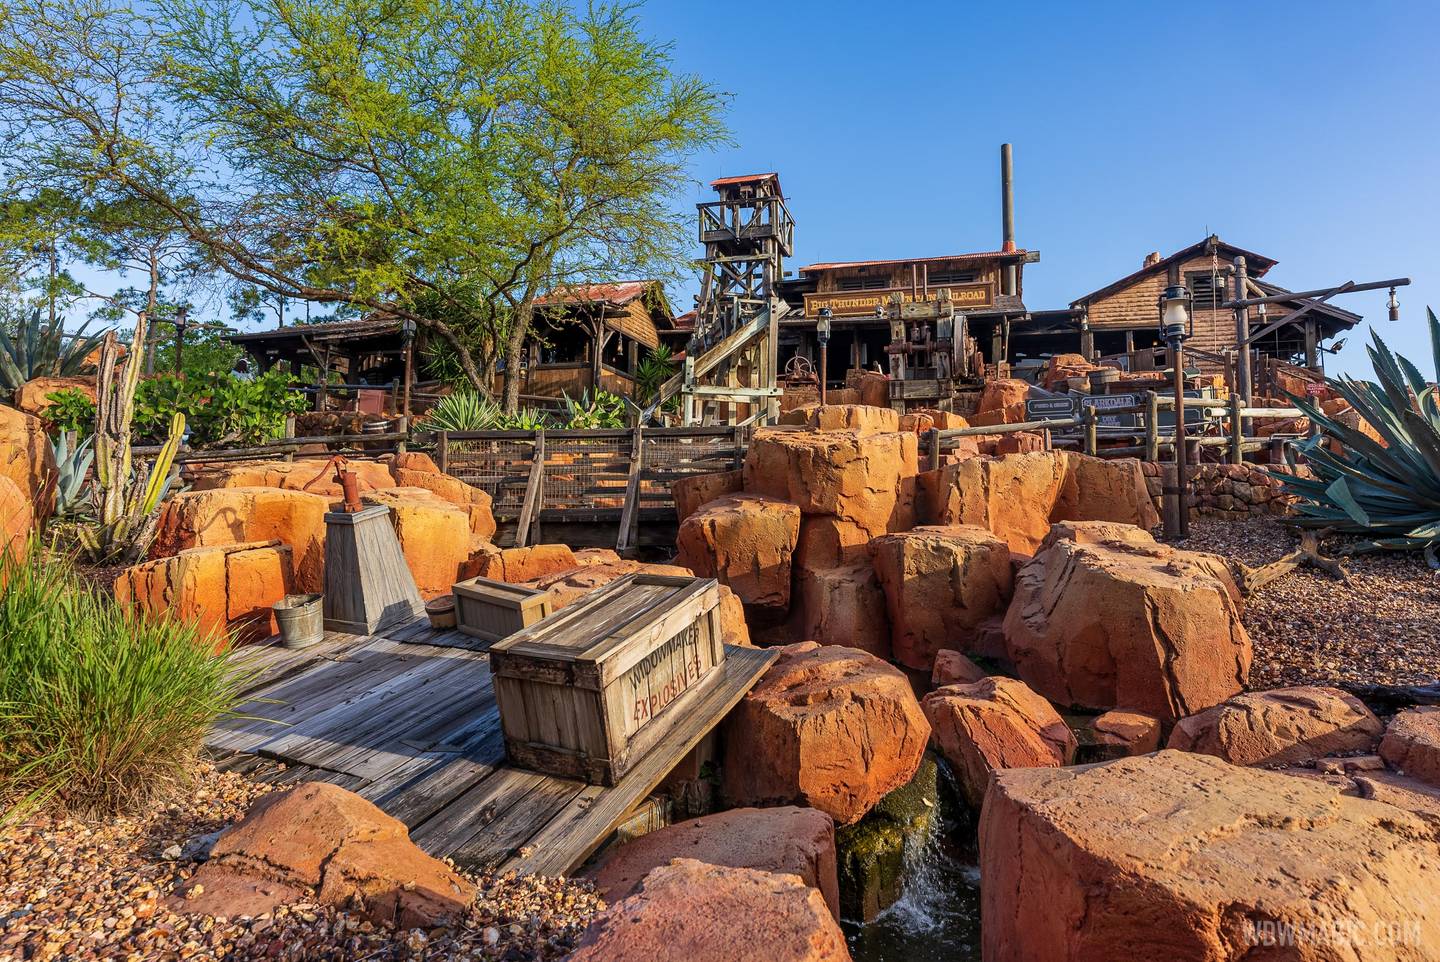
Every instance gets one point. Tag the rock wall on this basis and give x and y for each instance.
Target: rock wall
(1227, 490)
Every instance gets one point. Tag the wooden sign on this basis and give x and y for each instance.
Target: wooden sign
(964, 297)
(587, 691)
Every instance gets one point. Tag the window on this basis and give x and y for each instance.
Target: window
(1207, 289)
(946, 278)
(862, 282)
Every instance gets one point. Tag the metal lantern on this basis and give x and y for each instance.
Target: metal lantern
(1393, 306)
(822, 326)
(407, 330)
(1174, 309)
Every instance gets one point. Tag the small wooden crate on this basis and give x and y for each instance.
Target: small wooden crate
(586, 692)
(493, 610)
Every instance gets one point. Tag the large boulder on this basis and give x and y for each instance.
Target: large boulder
(1119, 732)
(843, 606)
(794, 841)
(867, 479)
(710, 913)
(226, 516)
(414, 470)
(1412, 743)
(993, 724)
(1279, 727)
(1001, 394)
(33, 397)
(435, 536)
(1126, 625)
(745, 541)
(829, 727)
(517, 565)
(953, 668)
(692, 491)
(1018, 496)
(315, 476)
(224, 589)
(26, 457)
(863, 418)
(941, 583)
(321, 843)
(1181, 856)
(828, 542)
(17, 518)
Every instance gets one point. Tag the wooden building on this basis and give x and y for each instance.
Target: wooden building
(979, 284)
(1120, 319)
(594, 334)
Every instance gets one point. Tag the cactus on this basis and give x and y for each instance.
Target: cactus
(127, 497)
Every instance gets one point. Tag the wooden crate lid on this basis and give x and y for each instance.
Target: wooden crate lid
(618, 625)
(498, 591)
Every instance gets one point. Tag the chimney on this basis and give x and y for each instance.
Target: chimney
(1151, 259)
(1007, 213)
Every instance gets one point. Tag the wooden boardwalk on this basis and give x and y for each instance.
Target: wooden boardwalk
(409, 721)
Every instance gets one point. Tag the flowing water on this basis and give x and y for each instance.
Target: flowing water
(937, 918)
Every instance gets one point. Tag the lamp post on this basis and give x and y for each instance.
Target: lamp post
(1174, 310)
(407, 335)
(822, 337)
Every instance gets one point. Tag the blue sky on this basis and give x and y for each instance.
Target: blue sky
(1304, 131)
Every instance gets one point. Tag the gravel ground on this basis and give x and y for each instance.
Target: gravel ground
(1310, 628)
(72, 890)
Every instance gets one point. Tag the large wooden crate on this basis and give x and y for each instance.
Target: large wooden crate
(493, 610)
(586, 692)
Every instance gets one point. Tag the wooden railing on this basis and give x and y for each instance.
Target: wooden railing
(1086, 432)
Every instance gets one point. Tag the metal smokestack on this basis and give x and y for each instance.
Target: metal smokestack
(1007, 213)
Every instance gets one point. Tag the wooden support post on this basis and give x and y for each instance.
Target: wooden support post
(403, 426)
(932, 445)
(442, 452)
(1152, 426)
(290, 433)
(1242, 333)
(1092, 441)
(737, 437)
(530, 508)
(630, 513)
(1237, 430)
(1312, 344)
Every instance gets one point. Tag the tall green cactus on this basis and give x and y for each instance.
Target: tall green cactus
(127, 497)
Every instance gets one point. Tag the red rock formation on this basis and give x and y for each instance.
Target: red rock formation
(843, 606)
(17, 518)
(1181, 856)
(861, 418)
(993, 724)
(1412, 743)
(226, 588)
(829, 727)
(26, 457)
(435, 535)
(941, 583)
(789, 840)
(708, 913)
(1127, 625)
(953, 668)
(1279, 727)
(1126, 732)
(33, 397)
(700, 489)
(321, 843)
(521, 564)
(864, 479)
(226, 516)
(744, 541)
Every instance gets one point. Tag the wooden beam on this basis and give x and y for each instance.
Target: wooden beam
(530, 508)
(629, 515)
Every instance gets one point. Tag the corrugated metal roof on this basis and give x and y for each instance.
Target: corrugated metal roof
(325, 330)
(980, 256)
(747, 178)
(611, 292)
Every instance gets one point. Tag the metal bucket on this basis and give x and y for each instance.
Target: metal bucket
(301, 619)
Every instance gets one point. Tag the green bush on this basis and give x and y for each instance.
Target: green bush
(101, 707)
(72, 411)
(594, 410)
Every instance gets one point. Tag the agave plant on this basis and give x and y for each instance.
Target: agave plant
(464, 411)
(1387, 490)
(40, 350)
(71, 466)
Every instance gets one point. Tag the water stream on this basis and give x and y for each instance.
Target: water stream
(937, 918)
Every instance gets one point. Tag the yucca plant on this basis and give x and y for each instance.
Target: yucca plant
(464, 411)
(1386, 490)
(40, 350)
(101, 707)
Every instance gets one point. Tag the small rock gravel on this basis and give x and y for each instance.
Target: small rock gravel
(1310, 628)
(77, 890)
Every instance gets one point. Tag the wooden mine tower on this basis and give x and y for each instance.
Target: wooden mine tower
(730, 372)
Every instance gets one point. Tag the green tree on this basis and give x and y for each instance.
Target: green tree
(445, 161)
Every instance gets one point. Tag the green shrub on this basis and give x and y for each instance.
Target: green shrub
(101, 707)
(71, 411)
(594, 410)
(468, 411)
(221, 409)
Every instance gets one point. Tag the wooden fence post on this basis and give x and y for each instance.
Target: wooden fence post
(630, 513)
(1092, 441)
(442, 452)
(534, 493)
(404, 425)
(289, 435)
(932, 445)
(1152, 426)
(1237, 429)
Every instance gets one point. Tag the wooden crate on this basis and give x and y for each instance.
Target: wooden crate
(493, 610)
(586, 692)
